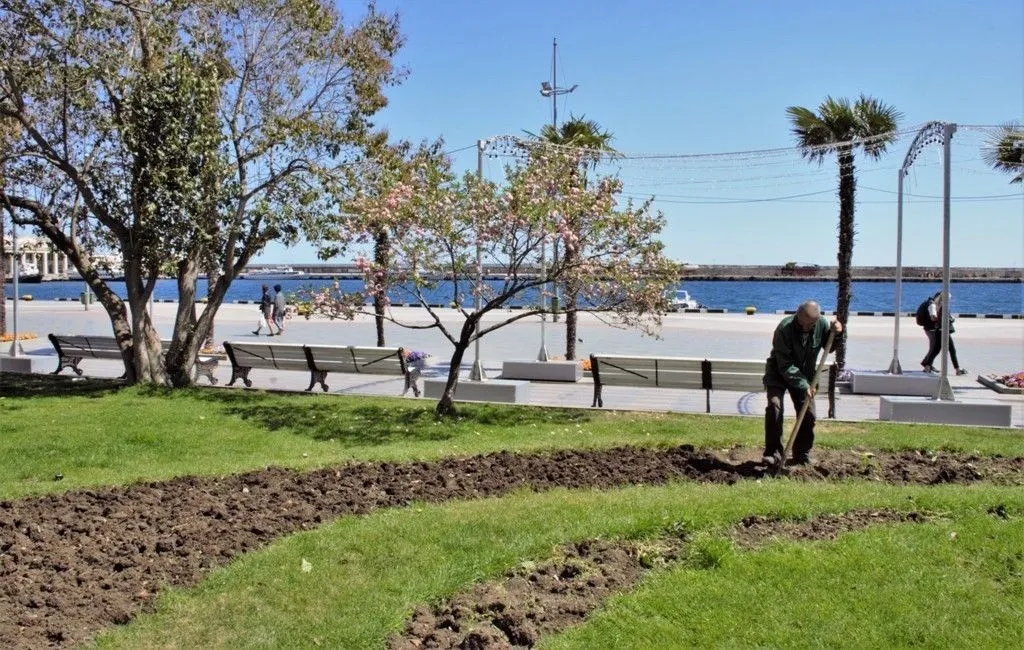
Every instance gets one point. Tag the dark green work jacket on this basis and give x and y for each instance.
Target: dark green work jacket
(794, 356)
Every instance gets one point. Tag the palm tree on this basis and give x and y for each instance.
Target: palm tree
(587, 134)
(1004, 152)
(842, 127)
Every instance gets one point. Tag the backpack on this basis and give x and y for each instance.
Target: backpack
(922, 317)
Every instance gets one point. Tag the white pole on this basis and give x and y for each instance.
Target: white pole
(554, 131)
(943, 391)
(15, 270)
(543, 354)
(477, 372)
(894, 367)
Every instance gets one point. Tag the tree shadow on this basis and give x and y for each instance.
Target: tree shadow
(35, 385)
(349, 425)
(366, 420)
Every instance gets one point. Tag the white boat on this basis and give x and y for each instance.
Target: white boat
(273, 273)
(681, 300)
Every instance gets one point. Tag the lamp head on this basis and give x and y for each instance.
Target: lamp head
(545, 88)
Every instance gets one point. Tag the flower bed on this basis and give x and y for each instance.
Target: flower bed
(22, 336)
(1012, 383)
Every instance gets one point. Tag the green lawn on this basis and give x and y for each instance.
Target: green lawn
(909, 584)
(887, 586)
(91, 433)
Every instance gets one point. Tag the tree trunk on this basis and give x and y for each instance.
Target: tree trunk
(379, 305)
(3, 279)
(570, 296)
(182, 352)
(213, 273)
(446, 406)
(148, 359)
(570, 325)
(191, 331)
(381, 258)
(844, 257)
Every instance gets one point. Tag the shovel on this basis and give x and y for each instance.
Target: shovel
(807, 402)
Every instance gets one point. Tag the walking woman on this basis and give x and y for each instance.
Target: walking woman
(266, 312)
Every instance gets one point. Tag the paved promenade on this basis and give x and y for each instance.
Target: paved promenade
(984, 346)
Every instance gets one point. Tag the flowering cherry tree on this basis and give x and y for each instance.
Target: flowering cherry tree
(442, 229)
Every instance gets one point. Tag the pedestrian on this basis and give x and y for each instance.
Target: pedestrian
(266, 311)
(797, 341)
(280, 309)
(930, 317)
(927, 316)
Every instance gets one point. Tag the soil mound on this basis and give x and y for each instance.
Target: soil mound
(529, 602)
(74, 563)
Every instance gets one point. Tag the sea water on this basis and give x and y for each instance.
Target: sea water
(731, 295)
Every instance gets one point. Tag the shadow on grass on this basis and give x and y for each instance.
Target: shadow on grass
(364, 420)
(34, 385)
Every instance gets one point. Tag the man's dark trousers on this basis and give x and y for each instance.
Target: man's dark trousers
(773, 443)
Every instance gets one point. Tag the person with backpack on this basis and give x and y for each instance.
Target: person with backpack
(266, 312)
(280, 309)
(930, 317)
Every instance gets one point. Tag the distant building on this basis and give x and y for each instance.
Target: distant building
(38, 252)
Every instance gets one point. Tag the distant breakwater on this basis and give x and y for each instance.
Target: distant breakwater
(859, 273)
(735, 272)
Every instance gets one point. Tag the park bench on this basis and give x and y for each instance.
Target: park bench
(681, 372)
(319, 360)
(323, 359)
(71, 350)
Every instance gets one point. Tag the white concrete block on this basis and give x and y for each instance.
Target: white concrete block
(864, 382)
(901, 408)
(542, 370)
(492, 390)
(20, 364)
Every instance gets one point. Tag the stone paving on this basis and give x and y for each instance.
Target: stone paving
(984, 346)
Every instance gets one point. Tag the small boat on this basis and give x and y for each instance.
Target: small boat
(681, 300)
(273, 273)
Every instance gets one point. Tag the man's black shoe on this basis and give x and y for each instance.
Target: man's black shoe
(801, 459)
(771, 460)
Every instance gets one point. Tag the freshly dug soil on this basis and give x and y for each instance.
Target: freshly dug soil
(74, 563)
(529, 602)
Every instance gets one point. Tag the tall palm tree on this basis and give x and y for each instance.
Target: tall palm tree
(1005, 151)
(584, 134)
(842, 127)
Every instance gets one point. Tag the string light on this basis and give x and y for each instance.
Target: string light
(728, 178)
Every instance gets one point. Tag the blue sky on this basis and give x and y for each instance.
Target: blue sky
(686, 78)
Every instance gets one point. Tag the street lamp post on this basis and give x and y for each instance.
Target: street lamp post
(477, 373)
(16, 348)
(552, 90)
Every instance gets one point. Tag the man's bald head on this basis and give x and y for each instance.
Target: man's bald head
(810, 308)
(807, 314)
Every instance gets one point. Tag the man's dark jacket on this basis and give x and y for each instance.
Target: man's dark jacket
(794, 355)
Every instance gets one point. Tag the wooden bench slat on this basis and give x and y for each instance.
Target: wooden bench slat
(332, 358)
(754, 366)
(737, 381)
(379, 360)
(279, 356)
(683, 379)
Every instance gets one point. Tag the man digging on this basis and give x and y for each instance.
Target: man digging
(792, 367)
